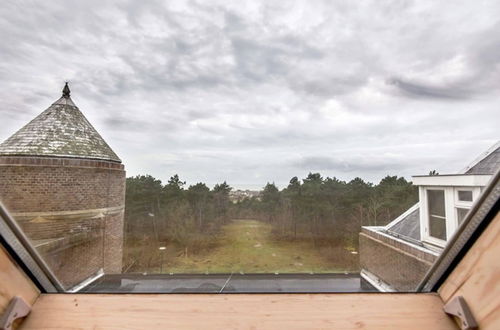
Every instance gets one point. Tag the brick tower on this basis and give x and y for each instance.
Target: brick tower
(66, 188)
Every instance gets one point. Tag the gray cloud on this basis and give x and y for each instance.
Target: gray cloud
(419, 90)
(259, 91)
(355, 164)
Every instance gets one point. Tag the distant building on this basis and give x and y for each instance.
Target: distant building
(396, 257)
(239, 195)
(66, 188)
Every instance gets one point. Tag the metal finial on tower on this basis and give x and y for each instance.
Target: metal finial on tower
(66, 90)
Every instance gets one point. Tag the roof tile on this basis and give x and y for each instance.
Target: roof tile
(60, 131)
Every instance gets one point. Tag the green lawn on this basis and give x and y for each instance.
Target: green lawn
(246, 246)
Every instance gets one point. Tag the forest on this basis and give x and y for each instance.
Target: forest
(321, 214)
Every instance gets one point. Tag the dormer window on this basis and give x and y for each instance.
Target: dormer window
(445, 201)
(437, 214)
(443, 211)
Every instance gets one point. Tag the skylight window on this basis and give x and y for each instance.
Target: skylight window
(257, 147)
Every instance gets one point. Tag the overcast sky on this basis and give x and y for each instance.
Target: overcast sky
(258, 91)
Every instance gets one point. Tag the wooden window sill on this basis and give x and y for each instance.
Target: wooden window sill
(242, 311)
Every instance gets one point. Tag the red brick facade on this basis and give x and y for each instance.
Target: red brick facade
(72, 210)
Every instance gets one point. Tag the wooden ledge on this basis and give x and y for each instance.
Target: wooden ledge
(238, 311)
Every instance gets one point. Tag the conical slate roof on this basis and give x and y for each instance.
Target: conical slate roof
(60, 131)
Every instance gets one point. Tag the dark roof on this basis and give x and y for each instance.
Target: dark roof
(409, 227)
(60, 131)
(488, 165)
(216, 283)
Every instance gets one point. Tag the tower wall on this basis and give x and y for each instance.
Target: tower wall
(71, 209)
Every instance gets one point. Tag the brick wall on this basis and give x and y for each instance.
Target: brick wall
(74, 259)
(395, 262)
(113, 241)
(71, 209)
(60, 187)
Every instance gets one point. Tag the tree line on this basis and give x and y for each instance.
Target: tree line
(326, 211)
(173, 213)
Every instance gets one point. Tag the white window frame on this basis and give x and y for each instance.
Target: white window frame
(476, 191)
(451, 213)
(424, 216)
(456, 212)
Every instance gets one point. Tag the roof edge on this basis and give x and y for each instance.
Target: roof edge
(403, 215)
(479, 158)
(465, 180)
(118, 161)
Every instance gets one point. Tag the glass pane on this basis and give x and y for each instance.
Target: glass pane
(461, 213)
(465, 195)
(437, 219)
(437, 227)
(223, 146)
(436, 202)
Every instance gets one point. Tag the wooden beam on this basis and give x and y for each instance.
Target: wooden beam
(477, 278)
(242, 311)
(14, 282)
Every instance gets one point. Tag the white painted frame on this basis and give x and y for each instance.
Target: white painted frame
(451, 204)
(452, 180)
(476, 191)
(424, 215)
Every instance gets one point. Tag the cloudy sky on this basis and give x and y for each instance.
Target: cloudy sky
(258, 91)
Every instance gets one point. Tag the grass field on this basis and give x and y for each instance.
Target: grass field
(246, 246)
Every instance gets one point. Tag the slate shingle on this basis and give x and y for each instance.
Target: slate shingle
(488, 165)
(60, 131)
(409, 226)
